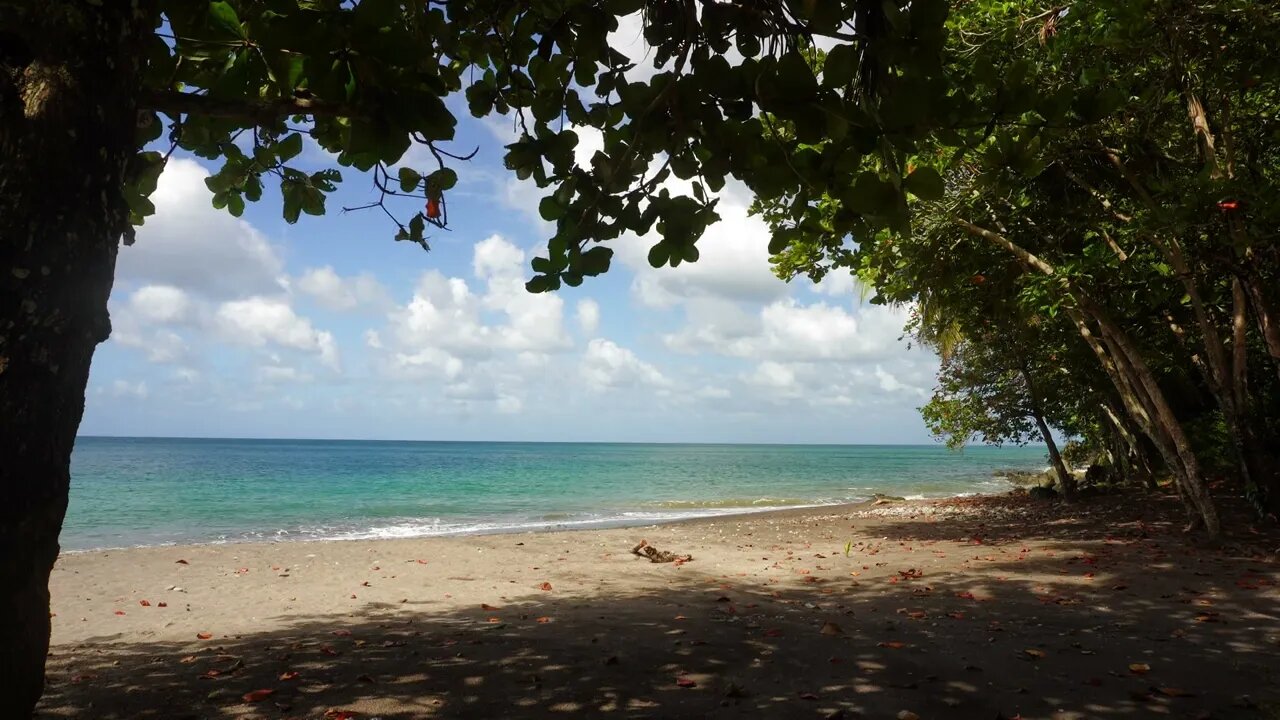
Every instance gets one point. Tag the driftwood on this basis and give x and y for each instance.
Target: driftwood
(645, 550)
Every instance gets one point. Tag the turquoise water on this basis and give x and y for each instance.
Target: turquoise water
(150, 491)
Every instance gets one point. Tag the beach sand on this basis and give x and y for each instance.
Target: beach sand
(969, 608)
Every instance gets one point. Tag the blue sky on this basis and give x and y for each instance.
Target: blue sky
(250, 327)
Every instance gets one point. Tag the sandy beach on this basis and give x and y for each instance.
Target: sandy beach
(981, 607)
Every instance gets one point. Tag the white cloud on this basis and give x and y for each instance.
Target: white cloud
(161, 304)
(588, 314)
(606, 365)
(334, 292)
(126, 389)
(789, 330)
(188, 244)
(262, 321)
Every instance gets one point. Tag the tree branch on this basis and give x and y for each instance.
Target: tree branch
(175, 103)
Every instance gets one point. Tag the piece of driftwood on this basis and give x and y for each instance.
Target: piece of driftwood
(645, 550)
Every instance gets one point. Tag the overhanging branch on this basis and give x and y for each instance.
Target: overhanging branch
(174, 103)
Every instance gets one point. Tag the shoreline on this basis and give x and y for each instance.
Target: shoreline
(611, 523)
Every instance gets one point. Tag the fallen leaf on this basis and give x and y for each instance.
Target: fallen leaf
(543, 619)
(329, 650)
(162, 604)
(1175, 692)
(203, 635)
(181, 562)
(965, 595)
(907, 715)
(956, 615)
(342, 633)
(685, 682)
(188, 659)
(494, 620)
(1034, 653)
(830, 628)
(210, 674)
(808, 696)
(290, 675)
(773, 633)
(422, 562)
(487, 606)
(894, 644)
(1139, 668)
(119, 612)
(144, 603)
(545, 586)
(258, 695)
(340, 714)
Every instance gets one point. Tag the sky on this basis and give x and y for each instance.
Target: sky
(250, 327)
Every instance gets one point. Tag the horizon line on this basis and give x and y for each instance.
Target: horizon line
(543, 442)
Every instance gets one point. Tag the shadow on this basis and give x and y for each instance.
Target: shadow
(1114, 616)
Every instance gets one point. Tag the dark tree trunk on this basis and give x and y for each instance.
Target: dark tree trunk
(68, 72)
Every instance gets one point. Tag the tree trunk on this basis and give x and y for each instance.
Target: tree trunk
(68, 72)
(1066, 480)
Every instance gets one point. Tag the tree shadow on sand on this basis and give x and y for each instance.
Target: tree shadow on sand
(1058, 632)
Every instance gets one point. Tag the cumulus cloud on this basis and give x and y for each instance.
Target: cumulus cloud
(588, 313)
(262, 321)
(606, 365)
(334, 292)
(189, 245)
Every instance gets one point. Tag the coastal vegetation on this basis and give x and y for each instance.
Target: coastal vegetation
(1077, 200)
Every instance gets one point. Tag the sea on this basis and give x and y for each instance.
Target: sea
(130, 492)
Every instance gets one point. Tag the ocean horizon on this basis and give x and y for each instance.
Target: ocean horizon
(131, 491)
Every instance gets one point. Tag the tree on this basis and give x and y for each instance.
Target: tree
(94, 96)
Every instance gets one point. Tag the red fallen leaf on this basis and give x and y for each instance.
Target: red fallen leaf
(340, 714)
(685, 682)
(258, 695)
(956, 615)
(773, 633)
(545, 586)
(210, 674)
(965, 595)
(144, 603)
(494, 620)
(487, 606)
(353, 596)
(1089, 575)
(181, 562)
(119, 612)
(290, 675)
(162, 604)
(422, 562)
(893, 644)
(203, 635)
(366, 583)
(329, 650)
(188, 659)
(342, 633)
(543, 619)
(917, 614)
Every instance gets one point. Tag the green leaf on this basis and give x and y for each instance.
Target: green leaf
(223, 17)
(290, 147)
(442, 179)
(925, 183)
(409, 179)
